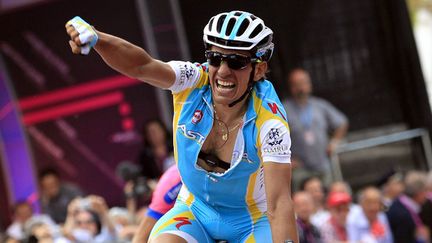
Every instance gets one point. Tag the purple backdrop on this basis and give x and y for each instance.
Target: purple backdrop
(80, 116)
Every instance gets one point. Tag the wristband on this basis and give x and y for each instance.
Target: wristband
(87, 34)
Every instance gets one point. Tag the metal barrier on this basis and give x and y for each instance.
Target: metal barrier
(382, 140)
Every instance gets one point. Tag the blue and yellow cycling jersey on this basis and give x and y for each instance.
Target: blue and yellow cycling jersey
(239, 191)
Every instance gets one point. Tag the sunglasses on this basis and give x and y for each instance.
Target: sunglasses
(234, 61)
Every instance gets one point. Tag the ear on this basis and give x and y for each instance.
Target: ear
(260, 70)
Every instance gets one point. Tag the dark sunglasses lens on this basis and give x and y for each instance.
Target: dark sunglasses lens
(214, 59)
(234, 61)
(237, 62)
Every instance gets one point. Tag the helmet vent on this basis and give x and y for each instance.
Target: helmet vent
(256, 31)
(220, 23)
(230, 26)
(264, 41)
(211, 24)
(237, 13)
(243, 27)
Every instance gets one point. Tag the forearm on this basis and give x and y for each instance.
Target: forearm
(68, 226)
(339, 133)
(131, 206)
(121, 55)
(144, 229)
(282, 222)
(105, 219)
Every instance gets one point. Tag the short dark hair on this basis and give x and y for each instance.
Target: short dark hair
(161, 124)
(48, 171)
(308, 179)
(97, 220)
(20, 203)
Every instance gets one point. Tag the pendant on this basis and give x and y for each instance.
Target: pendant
(225, 137)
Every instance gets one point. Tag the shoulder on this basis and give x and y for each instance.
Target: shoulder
(267, 102)
(265, 88)
(396, 210)
(319, 101)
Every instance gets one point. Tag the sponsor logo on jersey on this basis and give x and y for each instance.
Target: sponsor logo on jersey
(183, 221)
(197, 116)
(280, 149)
(172, 193)
(274, 137)
(275, 109)
(186, 72)
(198, 137)
(274, 140)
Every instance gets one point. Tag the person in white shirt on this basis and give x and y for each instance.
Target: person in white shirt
(369, 225)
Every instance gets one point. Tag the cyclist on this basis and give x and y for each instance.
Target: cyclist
(231, 137)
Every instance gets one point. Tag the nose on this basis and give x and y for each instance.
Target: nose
(224, 70)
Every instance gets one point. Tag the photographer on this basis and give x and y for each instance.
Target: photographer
(88, 221)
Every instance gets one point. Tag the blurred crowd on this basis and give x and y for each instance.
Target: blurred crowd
(399, 209)
(69, 215)
(396, 209)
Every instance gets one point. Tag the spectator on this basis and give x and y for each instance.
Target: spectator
(42, 229)
(392, 187)
(303, 207)
(406, 209)
(369, 224)
(55, 195)
(314, 187)
(340, 186)
(124, 223)
(311, 120)
(22, 211)
(156, 154)
(426, 210)
(334, 230)
(88, 221)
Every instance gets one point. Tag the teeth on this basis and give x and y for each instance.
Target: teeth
(225, 84)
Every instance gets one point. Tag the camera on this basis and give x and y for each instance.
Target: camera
(128, 171)
(85, 203)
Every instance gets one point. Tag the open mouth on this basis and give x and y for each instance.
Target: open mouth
(224, 85)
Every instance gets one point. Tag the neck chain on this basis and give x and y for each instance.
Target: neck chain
(224, 127)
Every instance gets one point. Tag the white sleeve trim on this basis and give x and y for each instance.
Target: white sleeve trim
(275, 142)
(187, 75)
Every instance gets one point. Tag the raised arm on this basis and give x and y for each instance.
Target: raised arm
(277, 180)
(119, 54)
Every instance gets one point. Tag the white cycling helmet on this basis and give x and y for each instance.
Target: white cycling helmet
(239, 30)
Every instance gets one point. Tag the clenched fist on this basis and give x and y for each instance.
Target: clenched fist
(83, 36)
